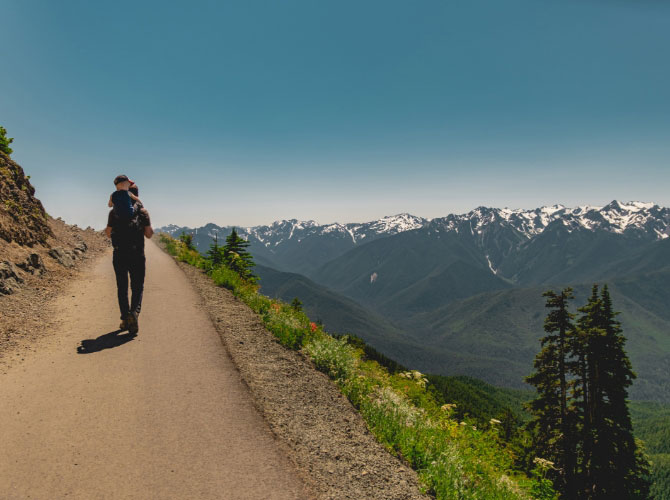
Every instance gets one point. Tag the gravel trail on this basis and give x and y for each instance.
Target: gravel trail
(98, 414)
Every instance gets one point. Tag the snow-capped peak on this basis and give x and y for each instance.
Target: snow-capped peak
(393, 224)
(615, 217)
(642, 219)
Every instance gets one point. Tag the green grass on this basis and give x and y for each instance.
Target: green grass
(454, 458)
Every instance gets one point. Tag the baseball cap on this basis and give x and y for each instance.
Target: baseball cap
(122, 178)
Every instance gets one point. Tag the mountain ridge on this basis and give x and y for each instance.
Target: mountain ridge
(615, 216)
(464, 291)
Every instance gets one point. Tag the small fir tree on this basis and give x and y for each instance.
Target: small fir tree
(215, 253)
(237, 257)
(296, 304)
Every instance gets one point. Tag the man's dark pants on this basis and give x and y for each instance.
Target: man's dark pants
(129, 262)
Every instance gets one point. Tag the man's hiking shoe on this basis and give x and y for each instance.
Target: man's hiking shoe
(133, 326)
(124, 324)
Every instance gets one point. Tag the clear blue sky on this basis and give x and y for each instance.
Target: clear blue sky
(246, 112)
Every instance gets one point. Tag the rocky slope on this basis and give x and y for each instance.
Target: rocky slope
(22, 216)
(38, 257)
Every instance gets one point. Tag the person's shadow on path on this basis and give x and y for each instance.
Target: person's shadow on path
(106, 341)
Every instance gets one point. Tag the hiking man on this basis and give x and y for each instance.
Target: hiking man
(128, 241)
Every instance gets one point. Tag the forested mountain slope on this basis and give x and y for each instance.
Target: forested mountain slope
(463, 292)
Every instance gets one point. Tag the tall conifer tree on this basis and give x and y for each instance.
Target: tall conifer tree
(551, 424)
(614, 464)
(580, 417)
(610, 465)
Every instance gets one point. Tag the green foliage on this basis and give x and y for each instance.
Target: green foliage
(187, 239)
(215, 253)
(370, 353)
(551, 424)
(5, 141)
(660, 488)
(334, 357)
(454, 459)
(651, 422)
(581, 421)
(296, 304)
(543, 487)
(237, 257)
(481, 401)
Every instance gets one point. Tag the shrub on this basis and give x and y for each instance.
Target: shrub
(5, 141)
(187, 239)
(332, 356)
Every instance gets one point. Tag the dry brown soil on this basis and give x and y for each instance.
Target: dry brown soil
(28, 314)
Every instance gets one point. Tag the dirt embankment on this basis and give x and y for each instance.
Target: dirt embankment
(39, 256)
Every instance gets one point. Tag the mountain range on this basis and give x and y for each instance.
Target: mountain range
(462, 294)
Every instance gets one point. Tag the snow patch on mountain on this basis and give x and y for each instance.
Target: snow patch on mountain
(634, 217)
(631, 217)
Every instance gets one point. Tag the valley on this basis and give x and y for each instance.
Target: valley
(462, 294)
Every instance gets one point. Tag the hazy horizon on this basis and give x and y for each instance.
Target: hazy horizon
(252, 112)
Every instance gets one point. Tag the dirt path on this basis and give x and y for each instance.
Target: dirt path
(163, 415)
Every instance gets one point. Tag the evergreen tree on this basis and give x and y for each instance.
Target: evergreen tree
(585, 347)
(237, 257)
(580, 419)
(611, 466)
(5, 141)
(215, 253)
(615, 463)
(296, 304)
(552, 423)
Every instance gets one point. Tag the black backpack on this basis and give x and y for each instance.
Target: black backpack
(128, 233)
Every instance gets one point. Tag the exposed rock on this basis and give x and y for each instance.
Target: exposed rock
(62, 256)
(10, 279)
(22, 216)
(33, 264)
(80, 249)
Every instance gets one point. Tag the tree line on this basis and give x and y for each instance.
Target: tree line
(581, 423)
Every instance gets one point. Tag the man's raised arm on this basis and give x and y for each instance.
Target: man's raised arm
(148, 230)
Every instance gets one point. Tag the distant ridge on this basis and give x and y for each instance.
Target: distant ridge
(616, 217)
(304, 246)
